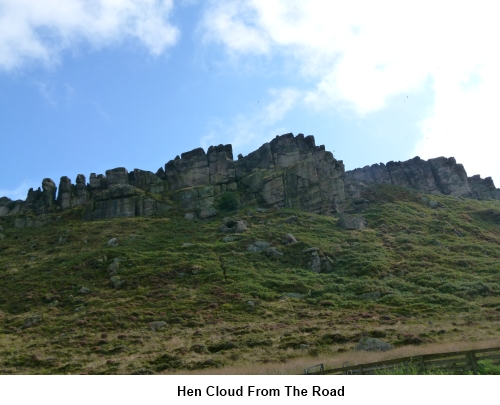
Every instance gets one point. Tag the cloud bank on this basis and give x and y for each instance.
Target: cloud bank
(38, 31)
(359, 54)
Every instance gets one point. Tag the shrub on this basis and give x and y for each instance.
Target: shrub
(228, 202)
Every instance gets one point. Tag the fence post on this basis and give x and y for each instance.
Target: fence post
(473, 361)
(422, 364)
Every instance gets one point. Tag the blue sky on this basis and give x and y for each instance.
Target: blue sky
(89, 85)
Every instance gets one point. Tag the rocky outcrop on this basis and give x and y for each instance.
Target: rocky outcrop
(483, 189)
(292, 172)
(434, 176)
(288, 171)
(70, 195)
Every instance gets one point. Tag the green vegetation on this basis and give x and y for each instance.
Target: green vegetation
(228, 202)
(485, 367)
(417, 275)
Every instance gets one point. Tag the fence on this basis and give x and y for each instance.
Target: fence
(452, 361)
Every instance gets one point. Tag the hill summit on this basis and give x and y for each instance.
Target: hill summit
(290, 171)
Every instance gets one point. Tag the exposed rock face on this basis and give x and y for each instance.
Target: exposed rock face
(70, 195)
(292, 172)
(483, 189)
(434, 176)
(289, 171)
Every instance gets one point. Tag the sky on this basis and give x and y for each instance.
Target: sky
(90, 85)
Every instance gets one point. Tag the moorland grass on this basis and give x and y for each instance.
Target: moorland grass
(435, 274)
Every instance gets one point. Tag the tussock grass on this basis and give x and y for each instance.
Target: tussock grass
(417, 277)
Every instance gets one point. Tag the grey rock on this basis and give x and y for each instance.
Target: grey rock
(373, 345)
(80, 308)
(233, 226)
(273, 252)
(311, 250)
(114, 267)
(228, 238)
(113, 242)
(208, 212)
(2, 236)
(352, 222)
(1, 228)
(251, 303)
(258, 246)
(157, 325)
(61, 240)
(326, 266)
(54, 303)
(292, 219)
(260, 210)
(116, 282)
(433, 204)
(84, 290)
(303, 346)
(190, 216)
(289, 238)
(187, 245)
(315, 264)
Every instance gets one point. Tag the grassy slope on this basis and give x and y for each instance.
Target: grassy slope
(437, 272)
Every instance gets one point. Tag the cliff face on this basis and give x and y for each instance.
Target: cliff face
(289, 171)
(434, 176)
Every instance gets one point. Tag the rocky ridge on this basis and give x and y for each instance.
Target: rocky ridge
(289, 171)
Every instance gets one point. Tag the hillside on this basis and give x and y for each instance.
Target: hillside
(72, 303)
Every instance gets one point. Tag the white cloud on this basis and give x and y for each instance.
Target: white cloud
(46, 93)
(18, 193)
(251, 130)
(34, 30)
(358, 54)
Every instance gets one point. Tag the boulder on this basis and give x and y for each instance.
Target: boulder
(352, 222)
(116, 282)
(84, 290)
(258, 246)
(273, 252)
(113, 242)
(114, 267)
(207, 212)
(157, 325)
(289, 238)
(373, 345)
(315, 263)
(233, 226)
